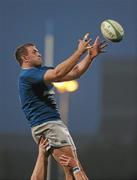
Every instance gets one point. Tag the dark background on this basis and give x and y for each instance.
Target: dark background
(103, 111)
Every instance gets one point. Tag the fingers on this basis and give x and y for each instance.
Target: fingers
(97, 41)
(64, 160)
(103, 51)
(89, 47)
(41, 139)
(43, 142)
(103, 42)
(63, 157)
(86, 37)
(96, 48)
(68, 161)
(86, 42)
(100, 45)
(103, 45)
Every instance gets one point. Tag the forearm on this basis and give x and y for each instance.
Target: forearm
(66, 66)
(79, 176)
(82, 67)
(39, 169)
(78, 69)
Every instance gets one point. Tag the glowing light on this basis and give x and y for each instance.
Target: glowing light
(60, 86)
(71, 86)
(67, 86)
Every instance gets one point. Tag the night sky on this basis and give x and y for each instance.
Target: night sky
(25, 21)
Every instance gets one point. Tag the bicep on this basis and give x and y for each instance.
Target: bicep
(50, 75)
(72, 75)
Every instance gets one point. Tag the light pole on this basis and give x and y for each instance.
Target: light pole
(49, 61)
(65, 88)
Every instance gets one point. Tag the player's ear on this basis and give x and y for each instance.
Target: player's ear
(24, 58)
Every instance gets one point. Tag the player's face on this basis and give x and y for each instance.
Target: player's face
(34, 57)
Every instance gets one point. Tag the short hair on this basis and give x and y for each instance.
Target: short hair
(22, 50)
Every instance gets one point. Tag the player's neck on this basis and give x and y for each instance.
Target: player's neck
(26, 66)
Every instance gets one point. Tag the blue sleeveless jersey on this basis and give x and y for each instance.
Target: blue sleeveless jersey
(37, 97)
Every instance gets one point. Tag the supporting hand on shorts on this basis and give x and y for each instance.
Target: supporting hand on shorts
(43, 145)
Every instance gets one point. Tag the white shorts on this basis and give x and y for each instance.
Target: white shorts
(56, 132)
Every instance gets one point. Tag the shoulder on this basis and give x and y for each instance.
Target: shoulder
(27, 72)
(33, 75)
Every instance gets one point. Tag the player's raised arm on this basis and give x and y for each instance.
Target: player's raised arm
(54, 75)
(70, 162)
(81, 67)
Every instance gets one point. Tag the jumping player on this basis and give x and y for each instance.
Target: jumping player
(37, 96)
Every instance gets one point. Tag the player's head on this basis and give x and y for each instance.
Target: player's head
(28, 55)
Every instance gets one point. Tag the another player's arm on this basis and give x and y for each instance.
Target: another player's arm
(68, 161)
(40, 169)
(53, 75)
(81, 67)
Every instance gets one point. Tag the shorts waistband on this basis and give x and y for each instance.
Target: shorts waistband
(49, 122)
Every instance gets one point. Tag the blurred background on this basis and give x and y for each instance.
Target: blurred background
(102, 116)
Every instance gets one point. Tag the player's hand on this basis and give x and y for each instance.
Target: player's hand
(43, 145)
(97, 47)
(67, 161)
(84, 43)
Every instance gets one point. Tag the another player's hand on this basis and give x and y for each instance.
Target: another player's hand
(84, 43)
(97, 47)
(67, 161)
(43, 144)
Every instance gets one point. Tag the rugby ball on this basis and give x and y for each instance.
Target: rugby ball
(112, 30)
